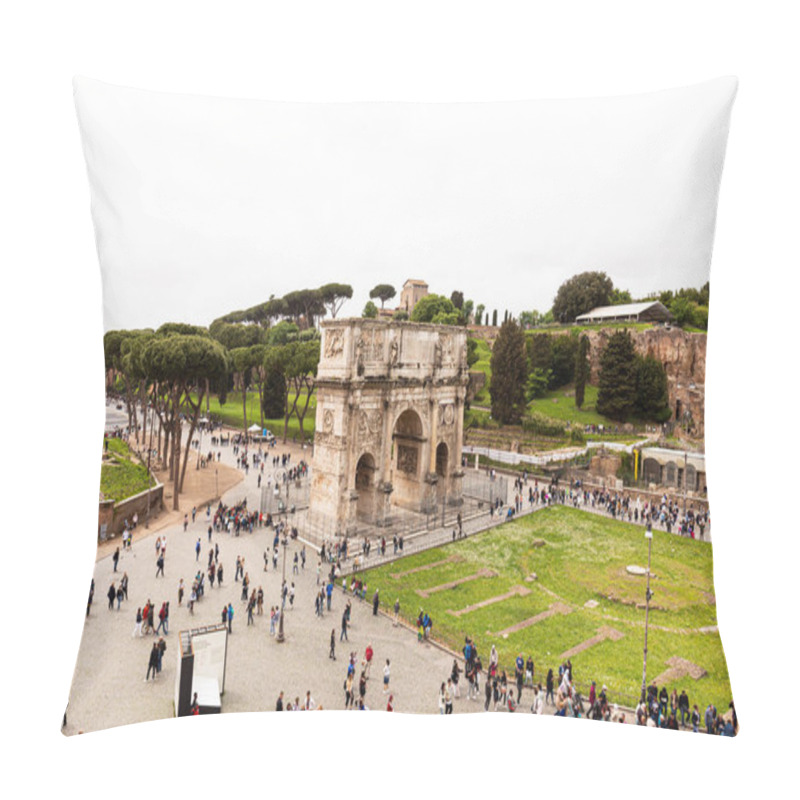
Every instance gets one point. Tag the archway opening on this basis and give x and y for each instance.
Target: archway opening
(408, 467)
(441, 460)
(365, 487)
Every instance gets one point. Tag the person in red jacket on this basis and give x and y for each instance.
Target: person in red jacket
(368, 656)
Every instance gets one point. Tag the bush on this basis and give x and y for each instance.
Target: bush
(543, 426)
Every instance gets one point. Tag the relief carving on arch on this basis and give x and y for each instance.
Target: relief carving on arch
(447, 414)
(448, 348)
(407, 459)
(334, 343)
(369, 425)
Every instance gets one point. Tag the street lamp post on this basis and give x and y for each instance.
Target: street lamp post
(649, 536)
(281, 637)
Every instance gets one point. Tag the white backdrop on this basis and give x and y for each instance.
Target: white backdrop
(52, 360)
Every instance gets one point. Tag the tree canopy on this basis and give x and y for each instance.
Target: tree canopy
(429, 306)
(333, 296)
(582, 293)
(382, 292)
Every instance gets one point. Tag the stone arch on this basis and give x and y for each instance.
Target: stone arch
(410, 455)
(651, 471)
(442, 459)
(409, 422)
(365, 487)
(691, 477)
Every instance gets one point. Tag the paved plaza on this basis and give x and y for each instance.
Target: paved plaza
(109, 685)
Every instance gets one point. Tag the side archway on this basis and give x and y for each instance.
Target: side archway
(365, 487)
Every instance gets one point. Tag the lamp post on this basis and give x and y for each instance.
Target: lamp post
(685, 472)
(649, 536)
(281, 637)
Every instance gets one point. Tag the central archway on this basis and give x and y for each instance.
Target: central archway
(408, 459)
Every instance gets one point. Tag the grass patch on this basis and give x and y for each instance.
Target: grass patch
(231, 414)
(120, 476)
(584, 558)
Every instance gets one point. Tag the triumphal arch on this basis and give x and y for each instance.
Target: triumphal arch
(390, 420)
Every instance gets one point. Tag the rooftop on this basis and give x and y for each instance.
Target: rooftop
(624, 310)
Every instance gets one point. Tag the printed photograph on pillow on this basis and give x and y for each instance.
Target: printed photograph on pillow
(404, 408)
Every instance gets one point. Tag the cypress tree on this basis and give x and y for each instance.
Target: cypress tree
(616, 396)
(274, 396)
(494, 318)
(509, 374)
(652, 397)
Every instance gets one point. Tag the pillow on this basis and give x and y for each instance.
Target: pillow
(405, 408)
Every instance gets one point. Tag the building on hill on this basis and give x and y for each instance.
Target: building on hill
(650, 311)
(413, 292)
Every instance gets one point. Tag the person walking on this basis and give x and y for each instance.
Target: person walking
(348, 691)
(137, 628)
(368, 653)
(160, 565)
(455, 673)
(161, 615)
(386, 677)
(152, 664)
(396, 611)
(332, 652)
(115, 559)
(343, 634)
(162, 646)
(250, 606)
(230, 617)
(375, 604)
(362, 687)
(197, 549)
(550, 696)
(448, 697)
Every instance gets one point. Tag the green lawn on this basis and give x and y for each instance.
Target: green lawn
(120, 476)
(584, 558)
(560, 404)
(483, 364)
(231, 414)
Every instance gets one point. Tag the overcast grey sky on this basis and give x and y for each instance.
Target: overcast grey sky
(207, 205)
